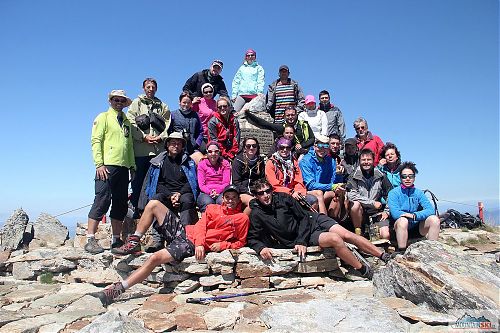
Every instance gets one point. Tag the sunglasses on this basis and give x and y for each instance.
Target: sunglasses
(250, 145)
(250, 55)
(119, 100)
(268, 191)
(224, 106)
(284, 147)
(323, 145)
(360, 127)
(213, 151)
(404, 176)
(208, 92)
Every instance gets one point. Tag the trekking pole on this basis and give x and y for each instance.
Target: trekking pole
(204, 300)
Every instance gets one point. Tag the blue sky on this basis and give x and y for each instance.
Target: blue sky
(423, 73)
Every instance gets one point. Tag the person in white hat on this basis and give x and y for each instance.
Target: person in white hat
(314, 117)
(113, 153)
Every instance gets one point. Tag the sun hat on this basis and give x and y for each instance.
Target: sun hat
(310, 99)
(320, 138)
(119, 93)
(175, 135)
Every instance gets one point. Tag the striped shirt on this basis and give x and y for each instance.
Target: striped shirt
(285, 96)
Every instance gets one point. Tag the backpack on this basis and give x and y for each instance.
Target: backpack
(454, 219)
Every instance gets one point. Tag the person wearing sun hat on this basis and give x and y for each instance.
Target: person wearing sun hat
(113, 154)
(210, 75)
(248, 81)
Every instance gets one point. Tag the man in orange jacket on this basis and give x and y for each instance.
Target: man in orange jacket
(221, 227)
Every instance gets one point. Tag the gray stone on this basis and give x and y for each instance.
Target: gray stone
(222, 262)
(187, 286)
(441, 277)
(318, 265)
(22, 271)
(213, 280)
(170, 277)
(31, 292)
(112, 322)
(426, 316)
(223, 318)
(264, 268)
(66, 295)
(7, 316)
(50, 230)
(95, 276)
(193, 266)
(356, 315)
(16, 230)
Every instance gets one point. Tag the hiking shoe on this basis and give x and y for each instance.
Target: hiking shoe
(385, 257)
(93, 246)
(133, 245)
(368, 272)
(110, 293)
(117, 243)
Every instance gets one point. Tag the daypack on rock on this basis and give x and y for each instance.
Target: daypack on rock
(455, 219)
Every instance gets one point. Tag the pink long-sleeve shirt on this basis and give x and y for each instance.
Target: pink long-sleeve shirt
(213, 178)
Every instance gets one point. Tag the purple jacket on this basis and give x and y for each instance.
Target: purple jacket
(210, 178)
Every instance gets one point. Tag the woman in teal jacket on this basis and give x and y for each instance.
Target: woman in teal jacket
(411, 209)
(248, 82)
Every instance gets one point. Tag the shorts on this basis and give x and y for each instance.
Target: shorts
(114, 192)
(172, 230)
(322, 224)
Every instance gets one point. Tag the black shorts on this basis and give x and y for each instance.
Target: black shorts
(172, 230)
(322, 224)
(114, 192)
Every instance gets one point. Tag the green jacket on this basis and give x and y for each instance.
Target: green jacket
(112, 143)
(144, 105)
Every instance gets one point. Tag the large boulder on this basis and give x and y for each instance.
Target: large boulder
(436, 275)
(16, 231)
(50, 230)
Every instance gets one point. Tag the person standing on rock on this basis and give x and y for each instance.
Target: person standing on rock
(221, 227)
(411, 209)
(211, 75)
(279, 221)
(113, 154)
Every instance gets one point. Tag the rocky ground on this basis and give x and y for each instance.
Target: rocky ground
(46, 280)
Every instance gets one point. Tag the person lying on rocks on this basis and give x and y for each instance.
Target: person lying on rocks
(411, 209)
(221, 227)
(279, 221)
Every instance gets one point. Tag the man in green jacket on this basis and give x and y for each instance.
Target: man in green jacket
(113, 153)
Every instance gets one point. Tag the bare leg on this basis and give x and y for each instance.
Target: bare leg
(330, 239)
(361, 243)
(197, 156)
(430, 227)
(401, 227)
(321, 200)
(154, 209)
(92, 226)
(158, 258)
(385, 232)
(356, 214)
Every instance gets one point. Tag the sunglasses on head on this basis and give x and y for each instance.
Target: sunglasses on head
(404, 176)
(119, 100)
(250, 145)
(268, 191)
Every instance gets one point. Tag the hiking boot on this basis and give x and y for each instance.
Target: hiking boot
(117, 243)
(133, 245)
(366, 272)
(110, 293)
(93, 246)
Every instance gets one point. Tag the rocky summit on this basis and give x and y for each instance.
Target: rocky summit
(47, 282)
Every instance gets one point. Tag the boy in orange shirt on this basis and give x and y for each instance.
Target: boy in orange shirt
(221, 227)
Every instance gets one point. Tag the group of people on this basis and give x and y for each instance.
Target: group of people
(311, 188)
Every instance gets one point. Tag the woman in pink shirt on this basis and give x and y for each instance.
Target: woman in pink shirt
(214, 174)
(205, 106)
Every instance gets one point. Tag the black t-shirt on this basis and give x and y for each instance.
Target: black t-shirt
(172, 178)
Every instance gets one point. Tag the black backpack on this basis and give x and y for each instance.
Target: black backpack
(455, 219)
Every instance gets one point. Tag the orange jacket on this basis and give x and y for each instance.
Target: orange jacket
(218, 224)
(275, 177)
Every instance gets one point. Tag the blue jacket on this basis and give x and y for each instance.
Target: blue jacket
(248, 80)
(151, 180)
(407, 200)
(393, 176)
(189, 124)
(318, 175)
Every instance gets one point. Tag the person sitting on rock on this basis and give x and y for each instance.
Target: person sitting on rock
(390, 163)
(411, 209)
(319, 173)
(366, 189)
(221, 227)
(304, 136)
(224, 128)
(279, 221)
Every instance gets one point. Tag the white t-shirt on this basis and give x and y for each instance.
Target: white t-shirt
(316, 119)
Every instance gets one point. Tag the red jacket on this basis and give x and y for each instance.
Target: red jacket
(218, 224)
(226, 133)
(372, 142)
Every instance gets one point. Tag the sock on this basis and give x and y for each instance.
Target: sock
(115, 238)
(125, 284)
(138, 234)
(90, 236)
